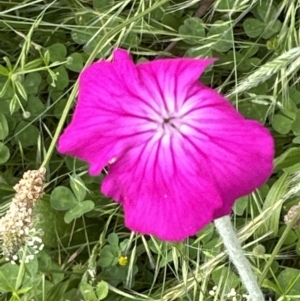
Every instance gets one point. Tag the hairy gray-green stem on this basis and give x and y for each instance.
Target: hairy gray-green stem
(236, 255)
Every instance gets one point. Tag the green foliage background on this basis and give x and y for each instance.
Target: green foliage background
(88, 254)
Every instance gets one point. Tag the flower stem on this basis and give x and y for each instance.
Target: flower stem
(236, 255)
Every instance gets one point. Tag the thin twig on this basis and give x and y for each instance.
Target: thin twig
(203, 7)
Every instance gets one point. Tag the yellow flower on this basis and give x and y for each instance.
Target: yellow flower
(123, 260)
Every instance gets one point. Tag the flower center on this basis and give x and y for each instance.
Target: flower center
(170, 124)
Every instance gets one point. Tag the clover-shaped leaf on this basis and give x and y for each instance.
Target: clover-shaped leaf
(75, 62)
(57, 52)
(193, 29)
(26, 134)
(102, 290)
(109, 256)
(62, 198)
(253, 27)
(282, 124)
(79, 210)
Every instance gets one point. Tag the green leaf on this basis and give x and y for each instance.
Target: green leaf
(220, 35)
(62, 198)
(193, 29)
(62, 78)
(53, 226)
(108, 256)
(287, 159)
(226, 5)
(291, 236)
(271, 29)
(21, 89)
(27, 134)
(276, 192)
(80, 37)
(8, 277)
(240, 205)
(79, 210)
(294, 95)
(220, 274)
(296, 124)
(32, 83)
(91, 45)
(78, 187)
(281, 124)
(253, 27)
(4, 153)
(75, 62)
(57, 52)
(4, 130)
(4, 71)
(113, 239)
(289, 281)
(254, 110)
(87, 292)
(35, 106)
(131, 40)
(265, 11)
(102, 290)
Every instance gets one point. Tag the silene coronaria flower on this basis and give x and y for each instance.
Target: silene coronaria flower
(179, 152)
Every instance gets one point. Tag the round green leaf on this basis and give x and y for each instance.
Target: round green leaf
(62, 78)
(75, 62)
(226, 4)
(87, 292)
(102, 290)
(3, 127)
(289, 281)
(79, 210)
(193, 30)
(294, 95)
(220, 35)
(253, 27)
(265, 11)
(281, 124)
(131, 40)
(27, 134)
(80, 37)
(8, 277)
(296, 123)
(32, 83)
(271, 29)
(91, 45)
(57, 52)
(34, 106)
(62, 198)
(240, 205)
(4, 153)
(113, 239)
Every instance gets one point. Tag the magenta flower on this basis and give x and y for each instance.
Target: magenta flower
(180, 153)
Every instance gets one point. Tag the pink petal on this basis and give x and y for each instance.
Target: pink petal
(103, 113)
(237, 152)
(162, 191)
